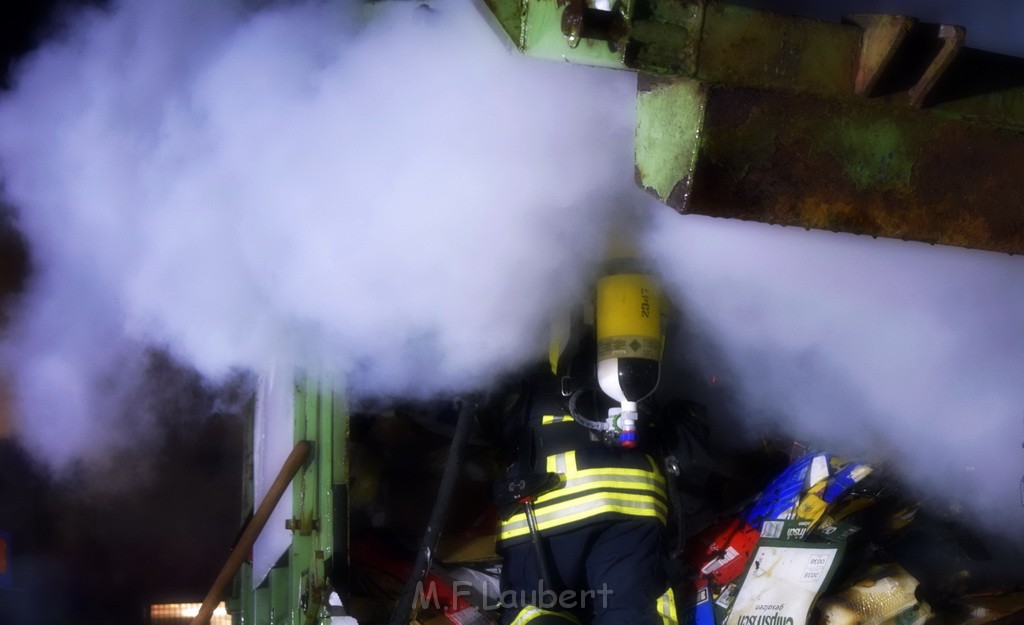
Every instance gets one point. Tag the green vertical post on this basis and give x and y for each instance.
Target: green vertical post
(280, 596)
(261, 605)
(321, 419)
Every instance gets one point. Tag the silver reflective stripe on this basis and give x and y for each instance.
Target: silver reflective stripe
(583, 480)
(526, 615)
(667, 608)
(591, 505)
(563, 464)
(636, 502)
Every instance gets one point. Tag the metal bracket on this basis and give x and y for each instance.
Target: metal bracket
(580, 21)
(886, 51)
(303, 526)
(952, 40)
(882, 36)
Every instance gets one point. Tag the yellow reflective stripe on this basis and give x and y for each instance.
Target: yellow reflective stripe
(585, 494)
(588, 489)
(667, 608)
(551, 419)
(591, 479)
(643, 512)
(563, 464)
(551, 515)
(652, 473)
(529, 613)
(655, 476)
(558, 514)
(576, 486)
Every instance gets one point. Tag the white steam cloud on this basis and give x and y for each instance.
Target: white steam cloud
(889, 351)
(402, 199)
(388, 192)
(904, 352)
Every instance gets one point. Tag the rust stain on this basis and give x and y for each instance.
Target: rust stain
(785, 160)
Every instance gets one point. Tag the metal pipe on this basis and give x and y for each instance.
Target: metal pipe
(538, 546)
(255, 526)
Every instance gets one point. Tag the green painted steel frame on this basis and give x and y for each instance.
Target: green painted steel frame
(747, 114)
(534, 27)
(295, 592)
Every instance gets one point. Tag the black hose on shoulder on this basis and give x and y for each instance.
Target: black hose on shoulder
(574, 399)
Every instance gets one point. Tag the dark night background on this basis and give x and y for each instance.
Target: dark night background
(156, 520)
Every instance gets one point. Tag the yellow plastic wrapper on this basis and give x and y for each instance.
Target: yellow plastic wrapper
(885, 596)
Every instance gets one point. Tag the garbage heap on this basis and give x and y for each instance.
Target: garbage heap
(830, 541)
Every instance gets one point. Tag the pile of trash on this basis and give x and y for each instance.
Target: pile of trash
(831, 542)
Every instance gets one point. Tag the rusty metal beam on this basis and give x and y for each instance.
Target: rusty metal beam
(750, 48)
(835, 165)
(880, 125)
(890, 57)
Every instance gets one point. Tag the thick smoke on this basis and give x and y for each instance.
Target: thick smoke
(386, 192)
(901, 353)
(399, 198)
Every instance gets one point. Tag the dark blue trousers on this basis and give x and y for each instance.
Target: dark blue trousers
(606, 573)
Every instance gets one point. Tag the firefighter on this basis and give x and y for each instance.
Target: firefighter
(595, 551)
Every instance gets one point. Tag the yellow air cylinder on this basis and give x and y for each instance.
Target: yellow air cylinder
(629, 340)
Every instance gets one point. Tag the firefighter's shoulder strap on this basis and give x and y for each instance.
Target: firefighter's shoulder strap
(520, 414)
(684, 434)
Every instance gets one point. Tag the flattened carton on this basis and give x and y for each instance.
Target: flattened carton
(782, 581)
